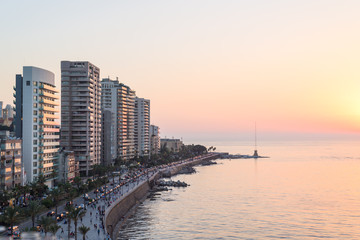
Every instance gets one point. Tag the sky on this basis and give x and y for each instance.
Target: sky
(210, 68)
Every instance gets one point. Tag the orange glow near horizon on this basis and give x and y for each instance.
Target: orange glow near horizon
(207, 66)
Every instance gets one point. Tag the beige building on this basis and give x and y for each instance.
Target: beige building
(81, 112)
(154, 139)
(142, 127)
(119, 100)
(174, 145)
(68, 167)
(10, 165)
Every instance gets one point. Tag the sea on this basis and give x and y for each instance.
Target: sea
(305, 190)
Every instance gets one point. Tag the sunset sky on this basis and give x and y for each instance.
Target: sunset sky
(210, 68)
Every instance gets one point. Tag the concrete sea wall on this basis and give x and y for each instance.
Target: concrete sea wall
(118, 209)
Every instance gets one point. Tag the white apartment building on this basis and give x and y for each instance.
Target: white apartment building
(119, 99)
(37, 122)
(81, 113)
(142, 127)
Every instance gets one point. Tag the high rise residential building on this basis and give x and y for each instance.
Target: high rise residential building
(81, 112)
(119, 99)
(36, 122)
(154, 139)
(10, 165)
(142, 127)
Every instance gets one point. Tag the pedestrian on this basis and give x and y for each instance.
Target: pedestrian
(98, 231)
(62, 230)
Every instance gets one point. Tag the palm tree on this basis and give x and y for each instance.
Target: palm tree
(33, 209)
(56, 194)
(11, 216)
(75, 214)
(69, 209)
(46, 223)
(77, 181)
(4, 198)
(83, 230)
(54, 228)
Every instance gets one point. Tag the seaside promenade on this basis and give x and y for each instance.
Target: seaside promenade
(95, 212)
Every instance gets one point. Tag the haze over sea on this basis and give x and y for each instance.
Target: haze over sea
(306, 190)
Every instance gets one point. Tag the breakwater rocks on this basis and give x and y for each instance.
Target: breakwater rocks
(162, 183)
(187, 170)
(209, 162)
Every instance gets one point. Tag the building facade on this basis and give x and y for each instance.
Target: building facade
(36, 122)
(154, 139)
(1, 107)
(68, 167)
(81, 112)
(10, 161)
(142, 127)
(119, 99)
(174, 145)
(8, 112)
(108, 151)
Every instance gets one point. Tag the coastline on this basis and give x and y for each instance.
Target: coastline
(120, 209)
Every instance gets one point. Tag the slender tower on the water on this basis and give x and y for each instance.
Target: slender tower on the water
(255, 151)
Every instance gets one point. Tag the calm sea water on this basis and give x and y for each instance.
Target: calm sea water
(306, 190)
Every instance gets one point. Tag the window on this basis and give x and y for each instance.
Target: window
(35, 105)
(35, 83)
(35, 171)
(35, 90)
(35, 120)
(35, 149)
(35, 98)
(27, 83)
(35, 112)
(35, 142)
(35, 134)
(35, 127)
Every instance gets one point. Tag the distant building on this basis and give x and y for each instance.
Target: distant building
(119, 99)
(68, 167)
(1, 108)
(81, 112)
(10, 165)
(36, 122)
(8, 112)
(174, 145)
(154, 139)
(142, 127)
